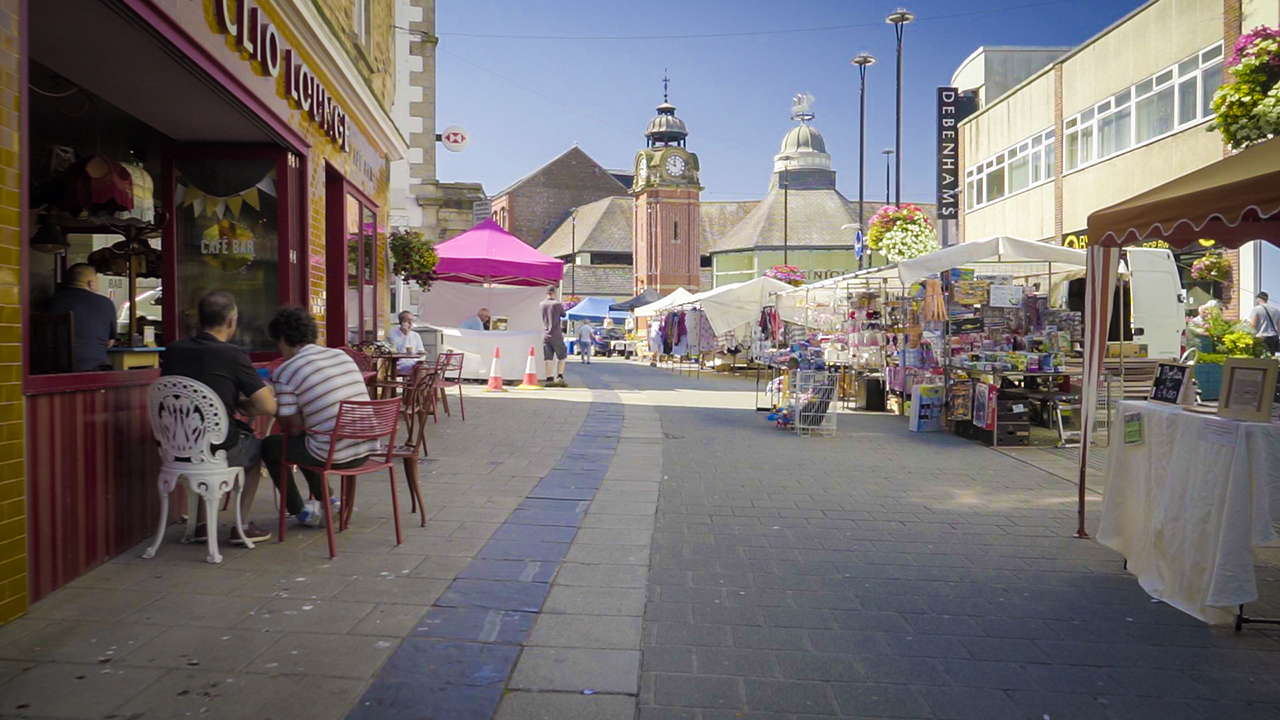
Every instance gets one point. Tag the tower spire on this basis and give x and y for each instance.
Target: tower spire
(665, 80)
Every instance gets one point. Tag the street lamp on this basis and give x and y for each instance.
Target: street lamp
(863, 61)
(786, 187)
(888, 155)
(898, 19)
(573, 252)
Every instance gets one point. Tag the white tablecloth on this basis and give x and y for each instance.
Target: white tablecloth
(1188, 504)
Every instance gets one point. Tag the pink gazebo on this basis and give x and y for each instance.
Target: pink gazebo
(488, 254)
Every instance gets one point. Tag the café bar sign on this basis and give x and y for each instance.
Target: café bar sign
(255, 35)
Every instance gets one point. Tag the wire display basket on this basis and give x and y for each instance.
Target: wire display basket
(813, 402)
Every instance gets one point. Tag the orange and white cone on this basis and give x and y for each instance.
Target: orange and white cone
(495, 373)
(530, 373)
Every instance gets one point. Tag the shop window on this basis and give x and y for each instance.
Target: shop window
(354, 239)
(227, 230)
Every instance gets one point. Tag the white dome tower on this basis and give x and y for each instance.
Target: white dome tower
(802, 161)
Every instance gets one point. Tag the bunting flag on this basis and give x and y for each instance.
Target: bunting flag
(203, 203)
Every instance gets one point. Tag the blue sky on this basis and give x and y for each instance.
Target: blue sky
(525, 100)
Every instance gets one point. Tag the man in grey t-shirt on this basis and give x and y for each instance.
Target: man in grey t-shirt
(1265, 320)
(553, 348)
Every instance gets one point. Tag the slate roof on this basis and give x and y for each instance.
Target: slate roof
(603, 226)
(615, 281)
(814, 218)
(575, 150)
(718, 219)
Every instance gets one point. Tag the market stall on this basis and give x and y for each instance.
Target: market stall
(714, 325)
(488, 267)
(1232, 201)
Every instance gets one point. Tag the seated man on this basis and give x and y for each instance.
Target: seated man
(210, 358)
(406, 342)
(93, 315)
(480, 321)
(310, 384)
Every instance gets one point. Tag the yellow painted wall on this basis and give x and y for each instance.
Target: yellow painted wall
(1027, 215)
(1162, 34)
(13, 514)
(1017, 117)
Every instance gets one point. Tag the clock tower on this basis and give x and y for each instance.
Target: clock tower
(666, 229)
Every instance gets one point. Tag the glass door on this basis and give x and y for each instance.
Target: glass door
(352, 265)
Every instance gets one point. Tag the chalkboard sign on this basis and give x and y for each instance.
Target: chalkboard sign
(964, 326)
(1172, 383)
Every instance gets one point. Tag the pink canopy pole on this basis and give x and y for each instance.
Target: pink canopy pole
(488, 254)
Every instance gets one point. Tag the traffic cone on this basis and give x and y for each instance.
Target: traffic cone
(530, 373)
(495, 373)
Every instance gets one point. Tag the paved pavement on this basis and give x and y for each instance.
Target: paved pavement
(645, 545)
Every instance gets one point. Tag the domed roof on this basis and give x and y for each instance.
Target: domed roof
(666, 127)
(803, 138)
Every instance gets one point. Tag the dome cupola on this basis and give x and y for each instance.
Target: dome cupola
(666, 129)
(802, 161)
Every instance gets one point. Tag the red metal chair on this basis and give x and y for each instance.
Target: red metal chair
(366, 364)
(419, 402)
(356, 420)
(449, 367)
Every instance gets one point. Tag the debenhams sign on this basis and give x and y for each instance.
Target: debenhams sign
(255, 35)
(952, 108)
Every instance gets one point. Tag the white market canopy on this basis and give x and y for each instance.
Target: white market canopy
(999, 249)
(730, 306)
(678, 296)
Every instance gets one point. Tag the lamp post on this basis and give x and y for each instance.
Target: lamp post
(863, 61)
(898, 19)
(573, 252)
(786, 187)
(888, 156)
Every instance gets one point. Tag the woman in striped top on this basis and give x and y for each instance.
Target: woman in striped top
(310, 385)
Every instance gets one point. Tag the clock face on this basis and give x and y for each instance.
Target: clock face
(675, 166)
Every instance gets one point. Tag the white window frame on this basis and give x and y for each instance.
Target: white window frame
(1088, 118)
(1036, 146)
(360, 21)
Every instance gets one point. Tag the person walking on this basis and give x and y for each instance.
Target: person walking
(1265, 320)
(553, 349)
(586, 341)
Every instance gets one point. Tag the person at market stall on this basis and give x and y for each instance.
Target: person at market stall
(479, 321)
(210, 358)
(553, 349)
(310, 384)
(93, 316)
(406, 342)
(1265, 320)
(586, 346)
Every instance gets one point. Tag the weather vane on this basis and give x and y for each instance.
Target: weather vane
(802, 107)
(665, 80)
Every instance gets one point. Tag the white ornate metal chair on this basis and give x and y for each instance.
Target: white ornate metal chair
(188, 419)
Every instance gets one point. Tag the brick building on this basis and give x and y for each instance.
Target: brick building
(256, 137)
(535, 204)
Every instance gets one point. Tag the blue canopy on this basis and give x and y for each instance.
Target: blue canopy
(596, 308)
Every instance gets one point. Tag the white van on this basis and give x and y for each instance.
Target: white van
(1150, 302)
(1158, 302)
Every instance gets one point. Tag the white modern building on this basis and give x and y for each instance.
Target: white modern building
(1124, 112)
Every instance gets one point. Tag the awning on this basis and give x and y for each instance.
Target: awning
(676, 297)
(488, 254)
(595, 308)
(1002, 249)
(1232, 201)
(731, 306)
(644, 298)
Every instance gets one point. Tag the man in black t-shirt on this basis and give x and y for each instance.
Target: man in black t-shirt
(210, 358)
(93, 316)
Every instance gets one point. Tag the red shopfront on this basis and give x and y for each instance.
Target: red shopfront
(249, 193)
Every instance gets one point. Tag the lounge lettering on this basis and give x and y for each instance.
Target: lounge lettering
(260, 40)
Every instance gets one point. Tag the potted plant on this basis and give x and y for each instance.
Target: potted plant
(413, 257)
(1218, 340)
(1247, 106)
(901, 233)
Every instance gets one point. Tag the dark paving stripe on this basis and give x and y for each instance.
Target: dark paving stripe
(457, 662)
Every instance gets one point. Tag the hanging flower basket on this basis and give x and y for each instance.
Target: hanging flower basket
(1213, 266)
(901, 233)
(571, 302)
(789, 274)
(1247, 107)
(413, 258)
